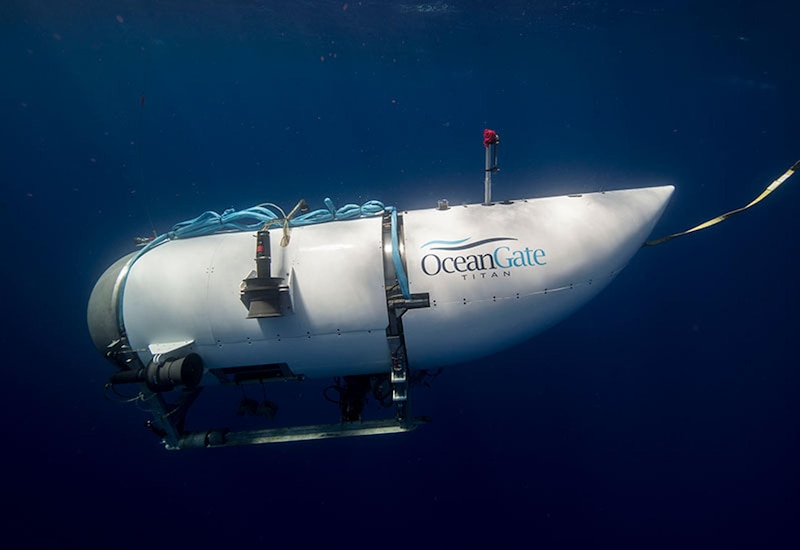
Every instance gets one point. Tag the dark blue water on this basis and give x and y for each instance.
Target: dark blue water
(663, 414)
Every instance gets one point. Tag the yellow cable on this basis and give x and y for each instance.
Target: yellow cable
(714, 221)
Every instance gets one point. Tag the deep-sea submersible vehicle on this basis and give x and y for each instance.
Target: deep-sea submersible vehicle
(368, 295)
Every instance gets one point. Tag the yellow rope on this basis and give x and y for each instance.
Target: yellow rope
(714, 221)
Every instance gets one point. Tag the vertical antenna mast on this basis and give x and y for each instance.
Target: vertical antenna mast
(490, 142)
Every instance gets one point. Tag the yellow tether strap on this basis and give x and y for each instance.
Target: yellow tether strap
(770, 188)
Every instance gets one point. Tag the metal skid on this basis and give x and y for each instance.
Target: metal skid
(169, 419)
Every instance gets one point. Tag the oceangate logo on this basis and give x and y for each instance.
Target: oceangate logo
(504, 258)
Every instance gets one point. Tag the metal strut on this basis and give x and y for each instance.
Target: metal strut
(398, 301)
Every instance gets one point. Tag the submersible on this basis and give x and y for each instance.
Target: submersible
(370, 296)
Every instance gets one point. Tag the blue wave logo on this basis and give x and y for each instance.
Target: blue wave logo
(458, 245)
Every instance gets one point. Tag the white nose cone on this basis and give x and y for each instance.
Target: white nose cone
(500, 274)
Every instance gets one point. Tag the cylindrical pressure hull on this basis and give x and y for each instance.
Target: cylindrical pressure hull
(495, 275)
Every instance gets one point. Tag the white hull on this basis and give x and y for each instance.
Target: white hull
(540, 260)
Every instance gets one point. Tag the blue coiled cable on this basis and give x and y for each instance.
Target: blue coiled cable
(257, 217)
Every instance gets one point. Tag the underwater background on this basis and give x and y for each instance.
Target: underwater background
(663, 414)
